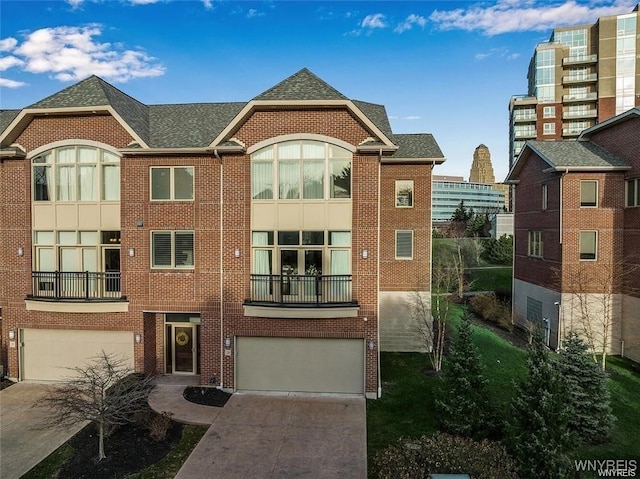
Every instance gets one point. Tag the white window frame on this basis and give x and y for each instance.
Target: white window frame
(173, 264)
(595, 253)
(548, 128)
(404, 258)
(535, 244)
(172, 183)
(549, 112)
(402, 184)
(582, 182)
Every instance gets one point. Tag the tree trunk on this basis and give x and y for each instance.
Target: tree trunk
(101, 454)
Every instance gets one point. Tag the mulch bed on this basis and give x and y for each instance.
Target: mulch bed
(129, 449)
(5, 383)
(206, 396)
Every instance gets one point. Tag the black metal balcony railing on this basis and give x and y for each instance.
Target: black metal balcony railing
(301, 289)
(82, 285)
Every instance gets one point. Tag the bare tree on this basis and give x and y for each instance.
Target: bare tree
(432, 315)
(103, 391)
(593, 309)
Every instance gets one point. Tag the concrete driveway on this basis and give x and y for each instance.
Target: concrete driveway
(283, 436)
(23, 443)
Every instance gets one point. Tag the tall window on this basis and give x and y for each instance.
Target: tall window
(588, 245)
(404, 244)
(404, 193)
(535, 244)
(549, 128)
(172, 249)
(76, 173)
(545, 197)
(301, 169)
(171, 183)
(626, 39)
(549, 112)
(633, 193)
(588, 193)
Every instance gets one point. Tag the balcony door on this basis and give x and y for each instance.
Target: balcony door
(111, 263)
(72, 261)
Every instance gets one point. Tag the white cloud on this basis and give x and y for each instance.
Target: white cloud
(412, 117)
(526, 15)
(208, 4)
(71, 54)
(501, 52)
(9, 62)
(253, 13)
(409, 23)
(4, 82)
(376, 20)
(8, 44)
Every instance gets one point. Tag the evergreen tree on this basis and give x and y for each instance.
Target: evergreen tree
(499, 251)
(589, 398)
(464, 403)
(539, 435)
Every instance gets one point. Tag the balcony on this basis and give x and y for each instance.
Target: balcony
(580, 59)
(591, 113)
(301, 296)
(76, 286)
(524, 134)
(590, 77)
(572, 131)
(524, 117)
(579, 97)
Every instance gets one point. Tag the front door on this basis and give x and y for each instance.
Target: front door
(184, 354)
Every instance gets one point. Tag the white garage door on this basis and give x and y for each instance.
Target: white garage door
(300, 364)
(47, 352)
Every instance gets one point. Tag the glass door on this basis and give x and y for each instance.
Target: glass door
(289, 272)
(184, 348)
(111, 262)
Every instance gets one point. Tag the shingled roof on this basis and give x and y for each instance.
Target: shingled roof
(417, 145)
(95, 92)
(575, 154)
(6, 117)
(302, 85)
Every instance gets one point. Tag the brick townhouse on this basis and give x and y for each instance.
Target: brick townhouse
(577, 236)
(267, 245)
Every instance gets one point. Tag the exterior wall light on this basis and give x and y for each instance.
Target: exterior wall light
(138, 338)
(132, 252)
(227, 342)
(12, 335)
(20, 251)
(365, 253)
(372, 345)
(236, 252)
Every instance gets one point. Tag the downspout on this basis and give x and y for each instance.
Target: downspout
(221, 257)
(560, 225)
(378, 278)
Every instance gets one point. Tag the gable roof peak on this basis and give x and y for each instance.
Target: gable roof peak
(302, 85)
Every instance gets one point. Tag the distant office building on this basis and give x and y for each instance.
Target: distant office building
(481, 168)
(582, 76)
(449, 191)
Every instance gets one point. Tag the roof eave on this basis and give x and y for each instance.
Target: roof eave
(434, 161)
(570, 169)
(20, 122)
(181, 151)
(256, 104)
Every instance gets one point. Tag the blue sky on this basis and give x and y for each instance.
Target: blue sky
(441, 67)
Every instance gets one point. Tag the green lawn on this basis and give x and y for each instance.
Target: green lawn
(492, 278)
(406, 408)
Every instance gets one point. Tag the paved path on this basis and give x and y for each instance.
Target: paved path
(283, 437)
(23, 441)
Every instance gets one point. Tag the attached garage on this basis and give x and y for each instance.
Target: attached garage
(46, 353)
(315, 365)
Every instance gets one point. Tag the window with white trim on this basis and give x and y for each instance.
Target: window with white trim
(79, 173)
(549, 112)
(404, 244)
(588, 245)
(171, 183)
(549, 128)
(588, 193)
(301, 169)
(535, 244)
(172, 249)
(404, 193)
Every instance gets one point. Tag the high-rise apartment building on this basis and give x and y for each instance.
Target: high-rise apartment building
(583, 75)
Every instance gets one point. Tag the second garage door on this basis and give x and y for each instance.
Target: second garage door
(48, 353)
(300, 364)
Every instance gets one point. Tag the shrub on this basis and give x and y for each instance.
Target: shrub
(444, 453)
(157, 424)
(491, 309)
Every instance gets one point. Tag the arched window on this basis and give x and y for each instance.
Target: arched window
(301, 170)
(76, 173)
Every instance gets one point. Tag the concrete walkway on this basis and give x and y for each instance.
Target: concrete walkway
(23, 441)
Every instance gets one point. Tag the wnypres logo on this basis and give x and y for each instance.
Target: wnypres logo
(609, 467)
